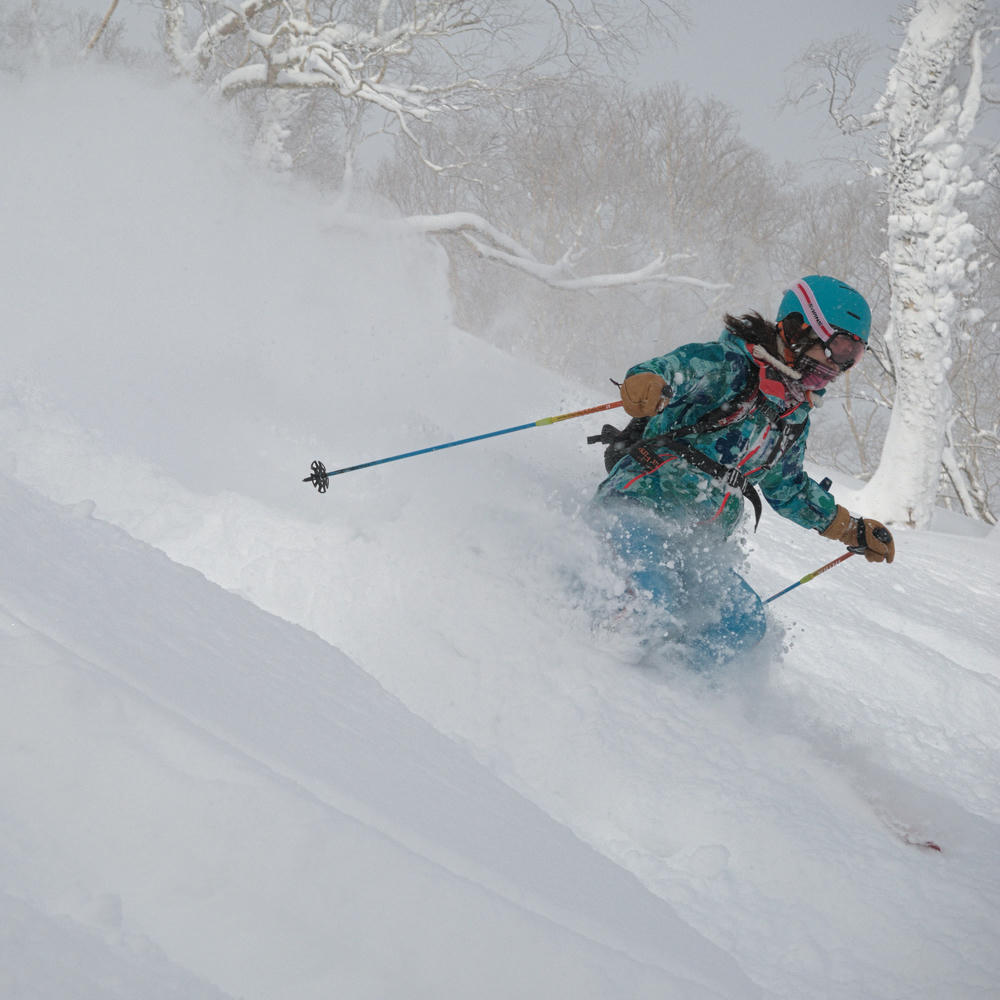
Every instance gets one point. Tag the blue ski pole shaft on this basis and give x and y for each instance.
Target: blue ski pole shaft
(810, 576)
(320, 477)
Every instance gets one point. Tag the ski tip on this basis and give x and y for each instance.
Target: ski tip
(926, 845)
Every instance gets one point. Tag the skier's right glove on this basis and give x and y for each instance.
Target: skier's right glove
(862, 535)
(643, 394)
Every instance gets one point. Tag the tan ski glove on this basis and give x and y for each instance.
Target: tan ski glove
(642, 394)
(862, 535)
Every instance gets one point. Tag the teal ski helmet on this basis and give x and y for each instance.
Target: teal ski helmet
(829, 306)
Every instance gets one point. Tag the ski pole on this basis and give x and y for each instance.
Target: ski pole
(810, 576)
(320, 477)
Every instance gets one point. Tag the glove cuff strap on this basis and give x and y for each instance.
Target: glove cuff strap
(840, 525)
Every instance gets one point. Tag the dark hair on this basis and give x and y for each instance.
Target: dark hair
(754, 329)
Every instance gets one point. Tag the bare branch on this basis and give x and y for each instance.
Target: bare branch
(101, 27)
(833, 72)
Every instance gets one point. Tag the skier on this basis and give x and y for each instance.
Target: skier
(713, 422)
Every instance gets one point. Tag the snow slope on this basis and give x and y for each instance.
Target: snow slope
(182, 766)
(180, 340)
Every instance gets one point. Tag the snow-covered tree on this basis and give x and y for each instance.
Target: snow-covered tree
(973, 441)
(931, 106)
(410, 59)
(927, 116)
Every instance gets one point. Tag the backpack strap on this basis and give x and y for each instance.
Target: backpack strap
(751, 400)
(629, 441)
(618, 442)
(727, 475)
(731, 411)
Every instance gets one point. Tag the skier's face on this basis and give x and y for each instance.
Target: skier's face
(822, 361)
(817, 371)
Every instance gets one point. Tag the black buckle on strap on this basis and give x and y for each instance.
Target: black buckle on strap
(735, 478)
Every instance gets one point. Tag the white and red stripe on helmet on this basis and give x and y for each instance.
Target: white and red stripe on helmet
(811, 311)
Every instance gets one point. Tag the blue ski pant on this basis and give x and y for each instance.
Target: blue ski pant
(695, 599)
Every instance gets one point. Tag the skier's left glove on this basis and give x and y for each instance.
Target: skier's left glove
(862, 535)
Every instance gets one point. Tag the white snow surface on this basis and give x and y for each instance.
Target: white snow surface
(382, 743)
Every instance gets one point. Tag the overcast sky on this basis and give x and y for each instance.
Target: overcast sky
(742, 52)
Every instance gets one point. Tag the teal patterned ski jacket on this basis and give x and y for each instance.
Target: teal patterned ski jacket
(701, 378)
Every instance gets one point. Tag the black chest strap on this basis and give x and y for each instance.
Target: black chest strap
(726, 475)
(644, 450)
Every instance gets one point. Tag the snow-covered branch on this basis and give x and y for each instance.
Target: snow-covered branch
(410, 59)
(974, 89)
(294, 50)
(492, 244)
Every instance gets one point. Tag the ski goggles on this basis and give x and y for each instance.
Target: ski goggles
(843, 349)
